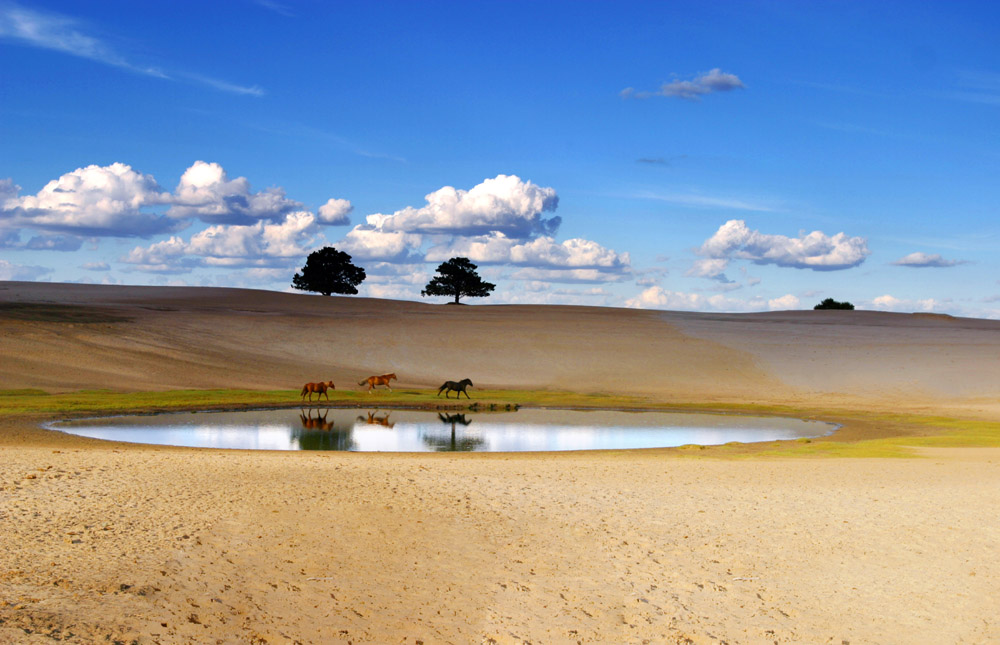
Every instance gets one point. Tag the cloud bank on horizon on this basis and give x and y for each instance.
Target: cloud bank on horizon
(504, 223)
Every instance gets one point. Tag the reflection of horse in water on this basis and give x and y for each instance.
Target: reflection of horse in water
(454, 443)
(317, 423)
(378, 421)
(454, 419)
(372, 381)
(452, 386)
(319, 434)
(319, 388)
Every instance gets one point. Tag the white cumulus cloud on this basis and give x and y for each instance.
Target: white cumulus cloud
(501, 221)
(118, 201)
(205, 192)
(714, 80)
(816, 250)
(924, 260)
(787, 301)
(573, 260)
(335, 212)
(367, 243)
(11, 271)
(259, 245)
(497, 248)
(504, 203)
(95, 200)
(660, 298)
(892, 303)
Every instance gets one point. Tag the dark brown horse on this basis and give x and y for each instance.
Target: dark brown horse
(319, 389)
(452, 386)
(372, 381)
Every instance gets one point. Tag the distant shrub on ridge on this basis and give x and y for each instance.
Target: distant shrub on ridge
(830, 303)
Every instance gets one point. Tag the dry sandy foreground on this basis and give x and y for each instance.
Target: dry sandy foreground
(108, 542)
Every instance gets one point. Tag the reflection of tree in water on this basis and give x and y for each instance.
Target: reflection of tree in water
(317, 433)
(453, 443)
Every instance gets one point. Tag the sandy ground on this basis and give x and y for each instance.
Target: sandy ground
(114, 543)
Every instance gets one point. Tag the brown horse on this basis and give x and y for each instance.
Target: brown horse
(319, 388)
(372, 381)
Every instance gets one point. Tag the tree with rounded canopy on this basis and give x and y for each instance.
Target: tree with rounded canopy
(457, 277)
(830, 303)
(329, 271)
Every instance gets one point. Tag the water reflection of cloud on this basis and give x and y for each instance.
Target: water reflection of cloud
(421, 431)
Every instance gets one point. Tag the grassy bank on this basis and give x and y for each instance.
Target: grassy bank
(862, 433)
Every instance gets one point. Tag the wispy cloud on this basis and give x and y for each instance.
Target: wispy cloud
(973, 240)
(708, 201)
(692, 90)
(68, 35)
(839, 88)
(851, 128)
(277, 7)
(61, 33)
(224, 86)
(310, 133)
(978, 87)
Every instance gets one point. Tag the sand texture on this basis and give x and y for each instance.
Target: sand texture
(106, 542)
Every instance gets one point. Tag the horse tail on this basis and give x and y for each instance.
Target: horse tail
(305, 388)
(362, 382)
(442, 388)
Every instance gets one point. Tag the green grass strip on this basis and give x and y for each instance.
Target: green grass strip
(864, 434)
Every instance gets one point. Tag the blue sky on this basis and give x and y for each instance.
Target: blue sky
(743, 156)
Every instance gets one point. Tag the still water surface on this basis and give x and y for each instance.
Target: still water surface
(429, 431)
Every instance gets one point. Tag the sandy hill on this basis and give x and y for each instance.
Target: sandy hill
(64, 337)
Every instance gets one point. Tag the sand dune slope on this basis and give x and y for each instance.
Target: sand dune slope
(76, 336)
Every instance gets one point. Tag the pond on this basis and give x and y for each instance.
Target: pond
(399, 430)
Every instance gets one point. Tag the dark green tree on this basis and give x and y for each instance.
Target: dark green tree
(830, 303)
(457, 277)
(329, 271)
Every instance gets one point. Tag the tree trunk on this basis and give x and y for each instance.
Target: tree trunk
(456, 298)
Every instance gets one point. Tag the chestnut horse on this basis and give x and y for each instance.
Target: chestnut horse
(452, 386)
(318, 388)
(372, 381)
